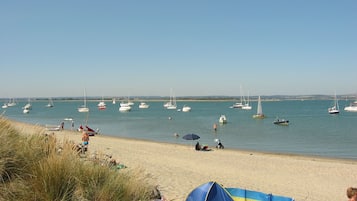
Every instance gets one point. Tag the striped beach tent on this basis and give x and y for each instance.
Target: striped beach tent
(247, 195)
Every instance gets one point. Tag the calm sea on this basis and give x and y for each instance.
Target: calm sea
(312, 131)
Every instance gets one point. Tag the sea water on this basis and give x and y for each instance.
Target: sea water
(312, 131)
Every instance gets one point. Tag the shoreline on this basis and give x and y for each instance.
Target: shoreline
(178, 169)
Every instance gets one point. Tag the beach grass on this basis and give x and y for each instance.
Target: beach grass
(38, 167)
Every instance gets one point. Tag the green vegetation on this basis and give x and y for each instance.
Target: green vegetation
(33, 168)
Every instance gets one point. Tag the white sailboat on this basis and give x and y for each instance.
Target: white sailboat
(335, 109)
(171, 105)
(84, 108)
(50, 103)
(246, 105)
(259, 114)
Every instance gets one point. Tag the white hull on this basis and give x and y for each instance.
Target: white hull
(186, 109)
(124, 108)
(222, 119)
(144, 106)
(26, 111)
(351, 109)
(83, 109)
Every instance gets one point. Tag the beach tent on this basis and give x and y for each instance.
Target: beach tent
(247, 195)
(210, 191)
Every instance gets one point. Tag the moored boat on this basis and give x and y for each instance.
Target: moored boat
(143, 105)
(222, 119)
(283, 122)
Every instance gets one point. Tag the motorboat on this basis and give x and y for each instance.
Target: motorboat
(124, 108)
(222, 119)
(101, 105)
(352, 107)
(143, 105)
(282, 122)
(26, 110)
(237, 105)
(186, 108)
(4, 106)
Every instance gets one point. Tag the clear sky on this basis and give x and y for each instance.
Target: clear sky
(195, 47)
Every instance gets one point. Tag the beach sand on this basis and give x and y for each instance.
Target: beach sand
(178, 169)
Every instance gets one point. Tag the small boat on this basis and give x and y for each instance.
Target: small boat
(222, 119)
(237, 105)
(26, 110)
(186, 108)
(282, 122)
(143, 105)
(124, 108)
(352, 107)
(246, 105)
(259, 114)
(84, 108)
(335, 109)
(101, 105)
(50, 103)
(171, 105)
(4, 106)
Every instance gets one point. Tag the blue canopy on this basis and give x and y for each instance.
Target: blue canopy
(210, 191)
(243, 194)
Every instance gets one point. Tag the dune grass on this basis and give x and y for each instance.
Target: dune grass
(33, 168)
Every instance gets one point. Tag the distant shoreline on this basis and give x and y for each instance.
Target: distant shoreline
(347, 97)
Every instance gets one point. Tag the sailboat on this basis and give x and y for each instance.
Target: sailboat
(84, 108)
(259, 114)
(335, 109)
(246, 105)
(50, 103)
(171, 105)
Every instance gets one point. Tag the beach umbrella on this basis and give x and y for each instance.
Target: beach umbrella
(191, 136)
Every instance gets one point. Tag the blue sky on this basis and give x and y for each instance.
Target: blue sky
(199, 48)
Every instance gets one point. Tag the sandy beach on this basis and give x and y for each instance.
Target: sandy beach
(178, 169)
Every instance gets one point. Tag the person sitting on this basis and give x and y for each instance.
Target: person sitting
(219, 145)
(198, 146)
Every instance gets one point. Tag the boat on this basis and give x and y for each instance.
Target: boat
(50, 103)
(222, 119)
(4, 106)
(239, 105)
(27, 107)
(84, 108)
(186, 108)
(352, 107)
(26, 110)
(171, 105)
(124, 107)
(335, 109)
(282, 122)
(143, 105)
(246, 105)
(259, 114)
(101, 105)
(11, 103)
(113, 101)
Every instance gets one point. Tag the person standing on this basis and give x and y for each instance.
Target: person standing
(85, 138)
